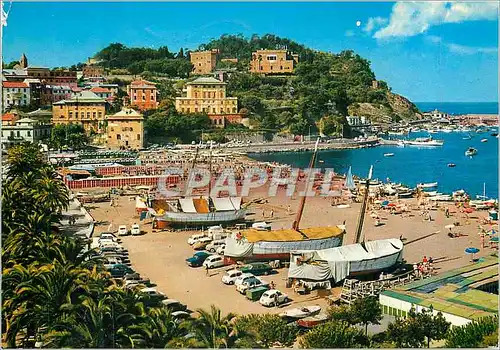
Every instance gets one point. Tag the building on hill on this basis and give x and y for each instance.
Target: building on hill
(354, 120)
(10, 118)
(23, 62)
(23, 130)
(15, 94)
(93, 71)
(208, 95)
(40, 115)
(60, 92)
(435, 114)
(84, 108)
(204, 62)
(273, 62)
(125, 130)
(103, 93)
(143, 95)
(461, 295)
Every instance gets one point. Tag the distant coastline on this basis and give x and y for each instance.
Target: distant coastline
(459, 108)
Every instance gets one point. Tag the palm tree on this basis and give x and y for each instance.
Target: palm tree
(212, 330)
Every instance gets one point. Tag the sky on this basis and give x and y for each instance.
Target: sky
(426, 51)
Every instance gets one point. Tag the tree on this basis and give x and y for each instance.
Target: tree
(342, 313)
(434, 327)
(333, 334)
(367, 311)
(264, 331)
(474, 334)
(212, 330)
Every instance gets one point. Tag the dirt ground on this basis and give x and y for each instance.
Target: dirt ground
(161, 256)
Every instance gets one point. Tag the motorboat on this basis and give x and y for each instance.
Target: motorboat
(427, 185)
(424, 141)
(494, 134)
(301, 312)
(311, 321)
(471, 152)
(388, 154)
(484, 140)
(451, 165)
(468, 137)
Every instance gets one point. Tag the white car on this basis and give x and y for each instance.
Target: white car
(135, 230)
(273, 297)
(214, 261)
(244, 276)
(105, 243)
(195, 238)
(152, 292)
(214, 245)
(250, 283)
(122, 230)
(221, 249)
(231, 276)
(108, 236)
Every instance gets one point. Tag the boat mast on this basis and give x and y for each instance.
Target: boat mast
(210, 170)
(296, 223)
(361, 219)
(195, 157)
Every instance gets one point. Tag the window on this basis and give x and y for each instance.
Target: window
(71, 114)
(100, 114)
(76, 114)
(213, 110)
(18, 134)
(281, 67)
(271, 57)
(112, 129)
(94, 114)
(234, 109)
(88, 115)
(271, 67)
(29, 133)
(118, 137)
(138, 136)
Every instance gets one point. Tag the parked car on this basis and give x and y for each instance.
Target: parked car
(231, 276)
(256, 268)
(122, 230)
(273, 297)
(135, 230)
(221, 249)
(174, 305)
(243, 278)
(202, 243)
(213, 261)
(214, 245)
(119, 270)
(152, 292)
(109, 236)
(180, 316)
(197, 259)
(195, 238)
(250, 283)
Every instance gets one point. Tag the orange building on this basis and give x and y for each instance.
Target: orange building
(143, 95)
(204, 62)
(91, 71)
(125, 130)
(273, 62)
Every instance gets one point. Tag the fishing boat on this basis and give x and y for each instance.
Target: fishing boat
(484, 140)
(468, 137)
(252, 244)
(388, 154)
(471, 152)
(430, 194)
(427, 185)
(311, 321)
(351, 260)
(301, 312)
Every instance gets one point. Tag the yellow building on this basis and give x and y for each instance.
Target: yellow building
(273, 62)
(206, 95)
(84, 108)
(125, 130)
(203, 62)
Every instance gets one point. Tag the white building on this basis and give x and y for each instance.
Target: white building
(22, 130)
(16, 94)
(60, 93)
(354, 120)
(435, 114)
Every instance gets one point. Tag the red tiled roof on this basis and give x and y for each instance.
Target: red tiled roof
(8, 117)
(14, 84)
(100, 90)
(142, 82)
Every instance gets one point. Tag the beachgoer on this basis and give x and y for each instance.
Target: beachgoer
(424, 260)
(415, 270)
(206, 269)
(263, 213)
(482, 240)
(431, 260)
(447, 212)
(288, 209)
(272, 213)
(273, 285)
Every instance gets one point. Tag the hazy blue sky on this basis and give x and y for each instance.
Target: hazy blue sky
(432, 51)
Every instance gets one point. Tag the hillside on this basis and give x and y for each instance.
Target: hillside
(325, 85)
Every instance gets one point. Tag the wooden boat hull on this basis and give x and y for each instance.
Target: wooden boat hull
(312, 321)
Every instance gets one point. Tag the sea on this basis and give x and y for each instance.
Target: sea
(414, 165)
(459, 108)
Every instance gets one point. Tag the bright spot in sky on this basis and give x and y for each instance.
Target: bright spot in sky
(358, 23)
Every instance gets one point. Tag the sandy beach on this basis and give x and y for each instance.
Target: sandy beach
(161, 256)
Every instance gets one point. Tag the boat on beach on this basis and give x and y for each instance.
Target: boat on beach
(311, 321)
(301, 312)
(427, 185)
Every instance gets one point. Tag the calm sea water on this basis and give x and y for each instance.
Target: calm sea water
(460, 107)
(413, 165)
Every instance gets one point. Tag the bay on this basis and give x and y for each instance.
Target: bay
(414, 165)
(459, 108)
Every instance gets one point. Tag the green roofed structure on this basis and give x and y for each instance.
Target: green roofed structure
(462, 295)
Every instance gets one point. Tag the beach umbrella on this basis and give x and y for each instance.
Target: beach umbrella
(391, 204)
(384, 203)
(472, 250)
(494, 239)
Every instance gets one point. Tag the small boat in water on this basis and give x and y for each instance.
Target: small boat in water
(484, 140)
(388, 154)
(301, 312)
(471, 152)
(468, 137)
(424, 141)
(312, 321)
(428, 185)
(494, 134)
(451, 165)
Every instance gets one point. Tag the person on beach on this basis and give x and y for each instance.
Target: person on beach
(289, 209)
(482, 240)
(447, 213)
(424, 260)
(206, 270)
(415, 269)
(263, 213)
(272, 213)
